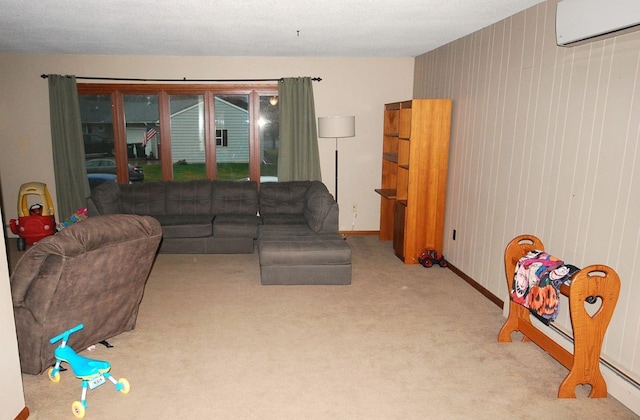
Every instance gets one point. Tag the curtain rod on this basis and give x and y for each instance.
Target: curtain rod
(184, 79)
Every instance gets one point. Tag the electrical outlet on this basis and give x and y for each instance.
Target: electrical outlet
(354, 208)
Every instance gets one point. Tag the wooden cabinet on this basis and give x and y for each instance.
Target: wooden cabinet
(415, 159)
(399, 212)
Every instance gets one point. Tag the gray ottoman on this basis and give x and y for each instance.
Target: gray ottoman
(305, 260)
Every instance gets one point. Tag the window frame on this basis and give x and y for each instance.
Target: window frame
(164, 91)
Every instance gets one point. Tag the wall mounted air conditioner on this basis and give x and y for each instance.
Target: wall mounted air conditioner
(581, 20)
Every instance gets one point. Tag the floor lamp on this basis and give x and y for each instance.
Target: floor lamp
(336, 127)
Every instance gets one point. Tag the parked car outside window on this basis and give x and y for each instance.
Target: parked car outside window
(108, 166)
(263, 179)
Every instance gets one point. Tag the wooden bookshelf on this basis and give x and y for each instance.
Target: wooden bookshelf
(415, 160)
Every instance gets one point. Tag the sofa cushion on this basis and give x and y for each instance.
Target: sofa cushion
(185, 226)
(188, 197)
(278, 231)
(239, 197)
(320, 251)
(235, 226)
(146, 198)
(319, 208)
(284, 219)
(283, 197)
(106, 198)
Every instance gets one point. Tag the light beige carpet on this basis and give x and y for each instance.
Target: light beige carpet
(401, 342)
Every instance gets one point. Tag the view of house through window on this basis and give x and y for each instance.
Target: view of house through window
(232, 120)
(138, 133)
(142, 133)
(187, 136)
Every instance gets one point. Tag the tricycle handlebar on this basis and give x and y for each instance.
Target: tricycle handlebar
(65, 335)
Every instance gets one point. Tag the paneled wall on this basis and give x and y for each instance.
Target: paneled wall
(545, 140)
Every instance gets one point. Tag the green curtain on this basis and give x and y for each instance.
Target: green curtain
(299, 158)
(72, 186)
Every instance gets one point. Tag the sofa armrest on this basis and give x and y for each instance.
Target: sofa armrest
(92, 208)
(321, 210)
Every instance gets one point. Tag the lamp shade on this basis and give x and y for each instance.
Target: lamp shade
(335, 127)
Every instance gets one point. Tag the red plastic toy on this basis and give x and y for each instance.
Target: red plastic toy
(36, 221)
(430, 257)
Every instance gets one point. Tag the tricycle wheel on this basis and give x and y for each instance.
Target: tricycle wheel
(427, 263)
(443, 263)
(22, 244)
(54, 378)
(124, 386)
(78, 409)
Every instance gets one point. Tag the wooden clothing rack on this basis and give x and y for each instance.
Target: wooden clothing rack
(588, 330)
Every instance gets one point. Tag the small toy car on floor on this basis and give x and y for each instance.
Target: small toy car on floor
(430, 257)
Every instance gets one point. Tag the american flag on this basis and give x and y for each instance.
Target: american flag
(149, 133)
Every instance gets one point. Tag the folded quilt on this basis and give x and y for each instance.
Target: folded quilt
(536, 283)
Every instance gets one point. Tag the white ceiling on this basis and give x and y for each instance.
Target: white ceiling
(320, 28)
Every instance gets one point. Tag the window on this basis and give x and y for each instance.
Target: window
(142, 133)
(222, 138)
(180, 132)
(188, 141)
(95, 111)
(269, 124)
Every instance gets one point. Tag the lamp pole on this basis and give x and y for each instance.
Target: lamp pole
(336, 127)
(336, 169)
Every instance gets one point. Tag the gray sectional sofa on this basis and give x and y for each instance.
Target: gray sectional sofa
(298, 240)
(294, 224)
(197, 217)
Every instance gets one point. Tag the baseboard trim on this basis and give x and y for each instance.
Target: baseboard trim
(486, 293)
(23, 415)
(359, 232)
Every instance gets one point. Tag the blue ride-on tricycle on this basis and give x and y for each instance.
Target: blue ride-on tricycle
(93, 372)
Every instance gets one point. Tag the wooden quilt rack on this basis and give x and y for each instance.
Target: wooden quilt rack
(588, 330)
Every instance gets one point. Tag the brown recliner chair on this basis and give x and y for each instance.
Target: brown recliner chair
(92, 272)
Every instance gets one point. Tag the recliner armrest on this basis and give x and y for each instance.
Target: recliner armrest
(29, 271)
